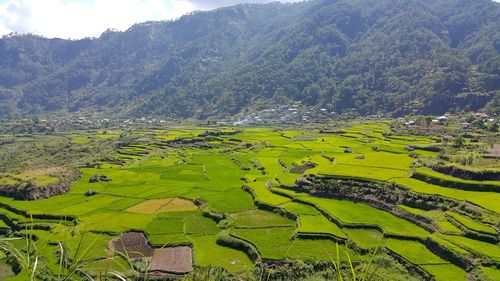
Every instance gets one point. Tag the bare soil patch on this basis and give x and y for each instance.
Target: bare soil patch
(48, 170)
(174, 260)
(133, 244)
(494, 151)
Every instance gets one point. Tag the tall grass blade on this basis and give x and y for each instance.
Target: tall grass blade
(367, 266)
(35, 265)
(351, 267)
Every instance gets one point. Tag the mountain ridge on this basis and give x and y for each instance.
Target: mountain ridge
(391, 56)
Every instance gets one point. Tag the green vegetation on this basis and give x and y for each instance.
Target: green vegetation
(365, 238)
(492, 273)
(471, 224)
(241, 204)
(357, 213)
(487, 249)
(445, 272)
(414, 251)
(317, 249)
(361, 66)
(272, 243)
(259, 218)
(449, 181)
(208, 253)
(319, 224)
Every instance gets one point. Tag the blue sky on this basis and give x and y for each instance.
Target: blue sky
(89, 18)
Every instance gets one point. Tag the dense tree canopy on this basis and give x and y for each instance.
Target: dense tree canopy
(377, 56)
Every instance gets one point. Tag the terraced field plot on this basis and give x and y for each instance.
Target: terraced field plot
(162, 205)
(191, 186)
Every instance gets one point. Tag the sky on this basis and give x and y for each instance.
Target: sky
(89, 18)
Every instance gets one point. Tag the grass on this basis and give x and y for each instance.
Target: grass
(487, 249)
(445, 272)
(471, 224)
(492, 273)
(317, 249)
(264, 195)
(208, 253)
(436, 237)
(8, 180)
(487, 200)
(447, 178)
(259, 218)
(438, 217)
(160, 240)
(162, 205)
(125, 203)
(319, 224)
(365, 238)
(38, 179)
(196, 224)
(3, 225)
(300, 209)
(148, 192)
(448, 227)
(109, 221)
(358, 213)
(165, 226)
(415, 211)
(413, 251)
(272, 243)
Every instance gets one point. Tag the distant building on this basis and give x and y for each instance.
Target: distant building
(481, 115)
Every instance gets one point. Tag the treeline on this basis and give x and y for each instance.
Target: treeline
(385, 56)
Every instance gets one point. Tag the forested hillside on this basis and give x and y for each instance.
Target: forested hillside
(377, 56)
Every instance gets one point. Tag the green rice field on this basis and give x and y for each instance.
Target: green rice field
(245, 183)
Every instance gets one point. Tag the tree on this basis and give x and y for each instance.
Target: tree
(492, 126)
(458, 142)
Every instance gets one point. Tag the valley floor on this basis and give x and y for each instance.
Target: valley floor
(243, 197)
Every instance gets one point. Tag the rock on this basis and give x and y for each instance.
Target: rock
(97, 178)
(94, 178)
(198, 201)
(90, 193)
(104, 178)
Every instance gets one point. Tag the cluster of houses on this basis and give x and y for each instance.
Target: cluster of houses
(464, 121)
(89, 122)
(481, 116)
(144, 121)
(287, 114)
(441, 120)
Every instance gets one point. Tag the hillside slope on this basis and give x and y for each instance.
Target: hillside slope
(376, 56)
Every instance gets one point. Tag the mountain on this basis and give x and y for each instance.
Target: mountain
(376, 56)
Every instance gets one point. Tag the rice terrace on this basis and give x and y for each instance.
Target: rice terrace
(249, 203)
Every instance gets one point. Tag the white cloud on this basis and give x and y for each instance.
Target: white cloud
(89, 18)
(77, 19)
(211, 4)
